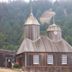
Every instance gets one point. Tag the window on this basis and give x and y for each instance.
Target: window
(49, 59)
(36, 59)
(64, 59)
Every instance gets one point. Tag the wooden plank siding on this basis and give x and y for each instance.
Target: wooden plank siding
(43, 59)
(32, 32)
(43, 66)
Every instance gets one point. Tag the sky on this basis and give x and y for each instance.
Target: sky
(25, 0)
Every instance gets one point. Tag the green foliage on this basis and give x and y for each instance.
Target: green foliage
(13, 16)
(69, 39)
(16, 66)
(2, 37)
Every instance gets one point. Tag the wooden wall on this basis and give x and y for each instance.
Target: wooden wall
(43, 66)
(32, 31)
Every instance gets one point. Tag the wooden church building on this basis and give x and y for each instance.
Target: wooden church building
(39, 53)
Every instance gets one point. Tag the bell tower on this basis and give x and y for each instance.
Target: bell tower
(31, 28)
(54, 31)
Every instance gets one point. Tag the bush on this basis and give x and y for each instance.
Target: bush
(17, 66)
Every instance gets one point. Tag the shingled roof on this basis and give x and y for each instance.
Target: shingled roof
(44, 44)
(31, 20)
(54, 27)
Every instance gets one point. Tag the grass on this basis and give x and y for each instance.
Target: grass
(9, 70)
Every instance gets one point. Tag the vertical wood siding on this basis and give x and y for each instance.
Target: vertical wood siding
(44, 67)
(32, 31)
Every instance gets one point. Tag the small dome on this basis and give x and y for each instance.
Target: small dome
(32, 20)
(54, 27)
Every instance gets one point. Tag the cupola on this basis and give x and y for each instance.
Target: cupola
(54, 32)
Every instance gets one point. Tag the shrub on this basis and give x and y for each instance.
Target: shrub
(17, 66)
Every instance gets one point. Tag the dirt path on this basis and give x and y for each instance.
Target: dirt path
(9, 70)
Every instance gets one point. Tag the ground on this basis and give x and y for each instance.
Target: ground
(9, 70)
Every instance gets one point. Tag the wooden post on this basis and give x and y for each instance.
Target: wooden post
(6, 62)
(25, 59)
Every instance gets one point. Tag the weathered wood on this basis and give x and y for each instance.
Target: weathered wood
(25, 59)
(43, 66)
